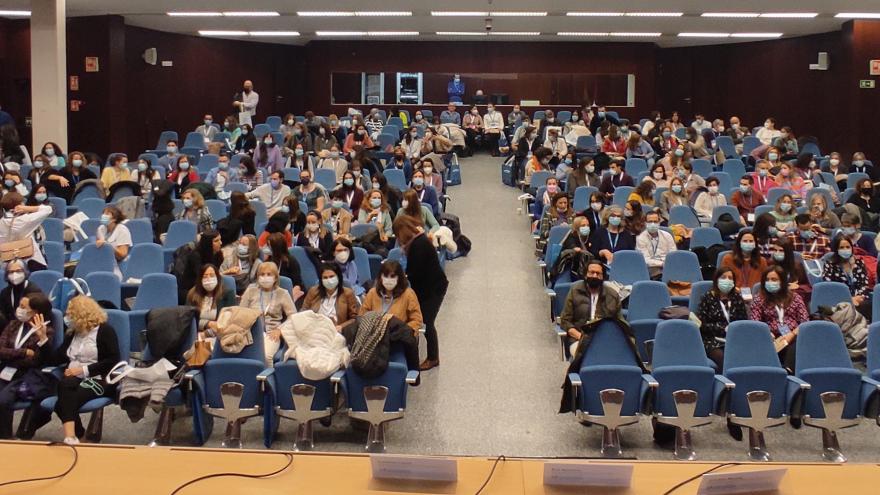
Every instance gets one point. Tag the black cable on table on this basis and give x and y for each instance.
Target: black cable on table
(236, 475)
(54, 477)
(692, 478)
(491, 473)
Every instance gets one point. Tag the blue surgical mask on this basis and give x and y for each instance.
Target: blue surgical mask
(848, 231)
(679, 153)
(183, 166)
(337, 204)
(844, 253)
(285, 209)
(40, 197)
(418, 181)
(330, 283)
(725, 285)
(744, 188)
(785, 207)
(771, 286)
(762, 172)
(772, 157)
(772, 231)
(375, 202)
(747, 247)
(223, 165)
(297, 152)
(584, 231)
(666, 134)
(779, 257)
(614, 221)
(676, 188)
(652, 227)
(568, 161)
(105, 219)
(142, 167)
(187, 203)
(377, 186)
(9, 183)
(348, 182)
(808, 234)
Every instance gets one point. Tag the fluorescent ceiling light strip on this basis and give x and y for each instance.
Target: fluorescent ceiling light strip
(274, 33)
(655, 14)
(223, 33)
(392, 33)
(594, 14)
(445, 13)
(574, 33)
(789, 15)
(517, 14)
(15, 13)
(643, 35)
(514, 33)
(730, 14)
(195, 14)
(325, 13)
(385, 13)
(858, 15)
(341, 33)
(460, 33)
(251, 14)
(756, 35)
(704, 35)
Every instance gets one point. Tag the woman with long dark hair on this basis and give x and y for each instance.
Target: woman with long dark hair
(782, 310)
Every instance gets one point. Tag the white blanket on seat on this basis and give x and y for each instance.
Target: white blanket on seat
(312, 340)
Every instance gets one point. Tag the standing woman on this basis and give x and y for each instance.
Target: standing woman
(90, 350)
(426, 277)
(782, 310)
(391, 294)
(20, 222)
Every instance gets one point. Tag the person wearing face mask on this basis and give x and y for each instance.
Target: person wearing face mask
(494, 125)
(411, 206)
(782, 310)
(559, 212)
(220, 176)
(112, 231)
(746, 199)
(249, 173)
(230, 126)
(676, 195)
(268, 154)
(786, 143)
(118, 171)
(426, 193)
(279, 223)
(845, 267)
(309, 192)
(274, 304)
(374, 210)
(665, 141)
(17, 287)
(737, 132)
(643, 194)
(719, 307)
(21, 222)
(337, 218)
(333, 160)
(358, 136)
(301, 160)
(169, 160)
(834, 166)
(558, 147)
(633, 217)
(769, 132)
(243, 263)
(331, 298)
(539, 161)
(616, 178)
(21, 352)
(183, 175)
(39, 196)
(316, 239)
(352, 195)
(711, 134)
(589, 299)
(565, 166)
(784, 212)
(195, 211)
(527, 146)
(807, 239)
(595, 212)
(144, 175)
(763, 179)
(209, 296)
(654, 244)
(677, 157)
(584, 174)
(208, 249)
(54, 154)
(287, 125)
(52, 177)
(821, 215)
(247, 141)
(431, 176)
(576, 250)
(551, 187)
(208, 130)
(745, 261)
(851, 227)
(277, 250)
(782, 255)
(392, 294)
(864, 199)
(700, 123)
(273, 193)
(637, 147)
(343, 255)
(12, 182)
(473, 128)
(614, 144)
(600, 116)
(789, 179)
(696, 143)
(710, 199)
(612, 236)
(411, 144)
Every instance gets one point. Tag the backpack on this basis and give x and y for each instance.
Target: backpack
(727, 225)
(371, 348)
(66, 289)
(206, 190)
(180, 258)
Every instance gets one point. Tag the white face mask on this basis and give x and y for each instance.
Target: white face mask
(389, 283)
(266, 281)
(209, 284)
(342, 256)
(22, 314)
(16, 278)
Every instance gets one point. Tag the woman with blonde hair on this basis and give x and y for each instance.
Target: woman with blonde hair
(243, 263)
(274, 304)
(195, 211)
(89, 351)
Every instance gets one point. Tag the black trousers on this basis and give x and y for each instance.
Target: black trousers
(492, 141)
(71, 396)
(34, 416)
(471, 139)
(430, 308)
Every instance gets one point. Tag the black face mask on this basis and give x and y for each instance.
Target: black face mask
(593, 283)
(867, 191)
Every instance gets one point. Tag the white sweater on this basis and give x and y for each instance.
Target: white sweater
(655, 257)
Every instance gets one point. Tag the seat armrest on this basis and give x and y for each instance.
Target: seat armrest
(542, 264)
(337, 376)
(722, 380)
(412, 377)
(422, 329)
(650, 381)
(559, 331)
(647, 392)
(721, 394)
(265, 374)
(575, 380)
(550, 293)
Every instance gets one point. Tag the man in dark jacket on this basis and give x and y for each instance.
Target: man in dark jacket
(599, 116)
(588, 300)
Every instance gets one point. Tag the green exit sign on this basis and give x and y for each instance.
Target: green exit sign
(867, 84)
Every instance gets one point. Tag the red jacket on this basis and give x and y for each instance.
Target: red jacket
(609, 146)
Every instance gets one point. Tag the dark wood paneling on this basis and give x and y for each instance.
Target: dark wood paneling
(15, 72)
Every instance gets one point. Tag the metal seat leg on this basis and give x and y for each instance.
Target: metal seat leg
(611, 421)
(759, 409)
(833, 404)
(375, 415)
(95, 430)
(162, 436)
(231, 394)
(685, 408)
(303, 396)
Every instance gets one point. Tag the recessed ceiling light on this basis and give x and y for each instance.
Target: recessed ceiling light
(655, 14)
(195, 14)
(859, 15)
(575, 33)
(790, 15)
(460, 33)
(756, 35)
(392, 33)
(251, 14)
(730, 14)
(445, 13)
(642, 35)
(325, 13)
(384, 13)
(514, 33)
(341, 33)
(704, 35)
(594, 14)
(517, 14)
(274, 33)
(223, 33)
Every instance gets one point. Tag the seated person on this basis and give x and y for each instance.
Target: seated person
(654, 244)
(747, 199)
(337, 218)
(633, 217)
(117, 172)
(274, 304)
(427, 194)
(612, 236)
(643, 193)
(807, 239)
(431, 176)
(559, 212)
(410, 205)
(316, 238)
(17, 287)
(221, 175)
(279, 253)
(784, 213)
(144, 176)
(763, 180)
(334, 161)
(169, 161)
(707, 200)
(618, 177)
(351, 193)
(295, 215)
(551, 187)
(539, 161)
(195, 211)
(576, 250)
(745, 262)
(847, 269)
(343, 255)
(720, 305)
(675, 196)
(392, 294)
(588, 300)
(375, 210)
(279, 223)
(782, 310)
(243, 264)
(330, 298)
(209, 296)
(312, 193)
(851, 226)
(823, 218)
(274, 193)
(782, 255)
(181, 177)
(113, 232)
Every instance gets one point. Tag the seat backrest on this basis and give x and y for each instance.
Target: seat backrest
(828, 294)
(274, 122)
(326, 177)
(749, 343)
(54, 227)
(678, 343)
(702, 167)
(194, 140)
(820, 345)
(557, 234)
(141, 230)
(254, 351)
(359, 230)
(217, 208)
(652, 296)
(680, 133)
(725, 182)
(395, 178)
(609, 346)
(157, 290)
(54, 252)
(585, 142)
(179, 233)
(59, 208)
(582, 197)
(207, 162)
(826, 193)
(749, 144)
(683, 215)
(628, 267)
(705, 236)
(721, 210)
(698, 290)
(144, 259)
(261, 130)
(735, 168)
(45, 279)
(362, 261)
(726, 145)
(95, 259)
(92, 207)
(306, 267)
(853, 178)
(775, 193)
(873, 347)
(105, 286)
(621, 195)
(261, 214)
(682, 266)
(118, 319)
(635, 166)
(539, 179)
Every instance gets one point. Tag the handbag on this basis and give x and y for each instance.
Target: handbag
(20, 249)
(198, 354)
(679, 288)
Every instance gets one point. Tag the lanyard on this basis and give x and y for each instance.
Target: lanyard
(761, 182)
(594, 299)
(386, 305)
(12, 292)
(781, 314)
(265, 309)
(724, 310)
(349, 197)
(614, 242)
(19, 340)
(422, 195)
(655, 243)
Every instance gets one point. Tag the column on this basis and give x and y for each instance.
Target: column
(49, 72)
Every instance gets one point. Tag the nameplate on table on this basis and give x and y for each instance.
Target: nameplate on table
(763, 480)
(401, 467)
(587, 474)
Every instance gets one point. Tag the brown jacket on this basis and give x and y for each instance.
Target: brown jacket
(346, 305)
(343, 221)
(406, 307)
